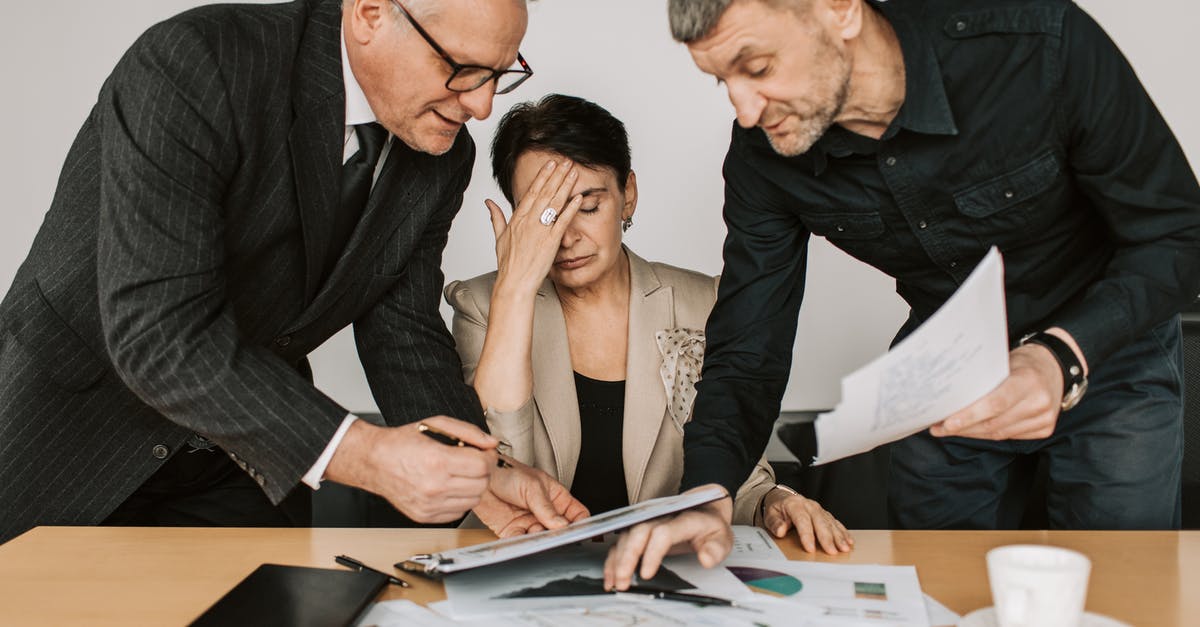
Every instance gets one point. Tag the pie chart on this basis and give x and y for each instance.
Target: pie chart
(766, 581)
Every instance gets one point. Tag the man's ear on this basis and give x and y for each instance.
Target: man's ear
(631, 194)
(364, 19)
(842, 18)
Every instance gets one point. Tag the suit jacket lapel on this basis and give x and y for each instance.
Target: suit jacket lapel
(651, 309)
(317, 133)
(553, 377)
(399, 194)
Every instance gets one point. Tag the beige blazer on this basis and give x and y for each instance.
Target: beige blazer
(545, 433)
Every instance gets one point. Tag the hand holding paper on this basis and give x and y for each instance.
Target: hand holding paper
(706, 529)
(1024, 407)
(956, 357)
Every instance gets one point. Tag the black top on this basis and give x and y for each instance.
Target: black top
(1024, 128)
(600, 474)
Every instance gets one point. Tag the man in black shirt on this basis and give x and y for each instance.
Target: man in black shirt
(914, 136)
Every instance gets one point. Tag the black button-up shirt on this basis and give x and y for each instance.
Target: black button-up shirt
(1023, 127)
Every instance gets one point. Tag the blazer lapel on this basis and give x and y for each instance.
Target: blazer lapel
(400, 193)
(651, 309)
(318, 130)
(553, 377)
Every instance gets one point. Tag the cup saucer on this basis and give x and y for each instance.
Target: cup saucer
(986, 617)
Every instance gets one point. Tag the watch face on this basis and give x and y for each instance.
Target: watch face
(1074, 395)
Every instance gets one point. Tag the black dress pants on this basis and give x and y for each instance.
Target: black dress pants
(205, 488)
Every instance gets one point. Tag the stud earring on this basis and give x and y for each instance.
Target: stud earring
(625, 224)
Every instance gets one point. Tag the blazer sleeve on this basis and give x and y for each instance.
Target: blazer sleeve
(168, 149)
(747, 504)
(405, 348)
(513, 428)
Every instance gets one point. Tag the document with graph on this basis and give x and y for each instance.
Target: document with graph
(953, 359)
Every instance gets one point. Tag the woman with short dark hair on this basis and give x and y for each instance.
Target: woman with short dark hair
(584, 355)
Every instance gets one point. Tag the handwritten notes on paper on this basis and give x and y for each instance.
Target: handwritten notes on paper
(953, 359)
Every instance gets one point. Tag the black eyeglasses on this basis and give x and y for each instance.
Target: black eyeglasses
(471, 77)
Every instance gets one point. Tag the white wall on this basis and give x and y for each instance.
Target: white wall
(616, 52)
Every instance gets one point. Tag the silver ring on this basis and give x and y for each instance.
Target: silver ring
(549, 216)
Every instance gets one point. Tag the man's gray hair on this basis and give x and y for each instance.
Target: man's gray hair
(695, 19)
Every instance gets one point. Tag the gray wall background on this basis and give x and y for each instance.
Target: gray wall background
(53, 59)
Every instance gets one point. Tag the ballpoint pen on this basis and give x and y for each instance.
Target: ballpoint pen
(350, 562)
(449, 440)
(668, 595)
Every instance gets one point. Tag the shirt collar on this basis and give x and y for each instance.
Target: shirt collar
(358, 111)
(926, 108)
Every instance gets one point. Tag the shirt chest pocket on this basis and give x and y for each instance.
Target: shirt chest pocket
(1014, 188)
(863, 233)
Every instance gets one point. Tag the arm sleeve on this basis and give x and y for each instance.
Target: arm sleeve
(750, 331)
(513, 428)
(168, 149)
(747, 504)
(406, 350)
(1126, 161)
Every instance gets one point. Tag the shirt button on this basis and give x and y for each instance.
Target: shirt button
(841, 228)
(960, 26)
(160, 452)
(890, 161)
(922, 224)
(1008, 193)
(953, 264)
(283, 340)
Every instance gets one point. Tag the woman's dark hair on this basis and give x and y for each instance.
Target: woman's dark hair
(577, 129)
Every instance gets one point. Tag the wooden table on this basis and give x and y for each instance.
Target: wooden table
(165, 576)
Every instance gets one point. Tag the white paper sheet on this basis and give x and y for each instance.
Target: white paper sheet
(954, 358)
(754, 543)
(841, 593)
(940, 615)
(759, 613)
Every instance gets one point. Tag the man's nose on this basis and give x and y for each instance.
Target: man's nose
(478, 102)
(747, 102)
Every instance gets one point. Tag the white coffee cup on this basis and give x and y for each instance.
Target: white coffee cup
(1038, 586)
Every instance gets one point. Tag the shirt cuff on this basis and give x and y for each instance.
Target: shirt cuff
(313, 477)
(704, 465)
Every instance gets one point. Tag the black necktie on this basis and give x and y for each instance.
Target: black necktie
(357, 175)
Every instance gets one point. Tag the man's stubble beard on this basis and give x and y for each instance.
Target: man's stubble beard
(810, 128)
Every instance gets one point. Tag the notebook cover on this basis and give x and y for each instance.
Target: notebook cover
(295, 596)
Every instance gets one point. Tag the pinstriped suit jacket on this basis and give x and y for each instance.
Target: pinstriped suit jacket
(175, 285)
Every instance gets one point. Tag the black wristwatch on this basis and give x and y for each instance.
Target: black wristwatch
(1074, 381)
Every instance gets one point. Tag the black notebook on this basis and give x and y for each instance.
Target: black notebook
(295, 596)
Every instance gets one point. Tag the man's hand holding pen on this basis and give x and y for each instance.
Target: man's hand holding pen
(440, 468)
(427, 480)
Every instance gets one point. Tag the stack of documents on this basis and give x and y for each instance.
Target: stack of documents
(564, 588)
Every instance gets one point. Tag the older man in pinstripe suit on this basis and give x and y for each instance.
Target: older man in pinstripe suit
(153, 365)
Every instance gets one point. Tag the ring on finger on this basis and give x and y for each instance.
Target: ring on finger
(549, 216)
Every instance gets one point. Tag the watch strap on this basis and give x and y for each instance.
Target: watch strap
(1072, 370)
